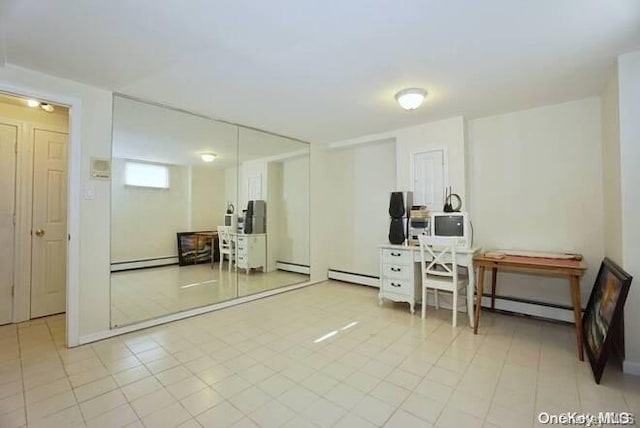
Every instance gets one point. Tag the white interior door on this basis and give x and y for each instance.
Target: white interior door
(8, 140)
(429, 179)
(49, 224)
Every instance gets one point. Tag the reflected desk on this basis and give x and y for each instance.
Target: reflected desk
(400, 276)
(572, 269)
(251, 250)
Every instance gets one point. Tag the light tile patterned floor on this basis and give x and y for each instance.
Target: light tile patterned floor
(326, 355)
(142, 294)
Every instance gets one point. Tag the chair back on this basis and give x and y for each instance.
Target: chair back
(224, 238)
(438, 257)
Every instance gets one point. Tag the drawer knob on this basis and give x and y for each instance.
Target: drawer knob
(395, 269)
(395, 284)
(396, 254)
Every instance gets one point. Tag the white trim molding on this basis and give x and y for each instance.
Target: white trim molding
(631, 367)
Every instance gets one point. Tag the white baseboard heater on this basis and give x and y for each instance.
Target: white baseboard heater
(503, 303)
(144, 263)
(293, 267)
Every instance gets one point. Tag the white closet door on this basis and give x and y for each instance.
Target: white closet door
(429, 179)
(49, 233)
(8, 139)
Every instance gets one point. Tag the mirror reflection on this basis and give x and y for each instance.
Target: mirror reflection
(201, 211)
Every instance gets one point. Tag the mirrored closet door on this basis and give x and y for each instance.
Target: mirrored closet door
(202, 211)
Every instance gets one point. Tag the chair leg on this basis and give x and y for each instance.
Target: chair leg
(229, 262)
(435, 297)
(221, 261)
(424, 302)
(455, 306)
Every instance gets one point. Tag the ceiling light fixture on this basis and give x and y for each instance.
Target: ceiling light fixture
(47, 107)
(411, 98)
(207, 157)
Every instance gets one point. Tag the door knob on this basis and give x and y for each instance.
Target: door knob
(39, 232)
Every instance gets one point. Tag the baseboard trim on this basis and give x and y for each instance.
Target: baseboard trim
(145, 263)
(631, 367)
(355, 278)
(293, 267)
(502, 303)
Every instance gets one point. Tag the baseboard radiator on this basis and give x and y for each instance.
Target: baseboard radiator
(293, 267)
(503, 303)
(144, 263)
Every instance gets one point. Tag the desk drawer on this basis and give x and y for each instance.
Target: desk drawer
(397, 257)
(397, 271)
(398, 286)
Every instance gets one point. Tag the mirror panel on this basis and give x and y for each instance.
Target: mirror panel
(152, 276)
(168, 205)
(274, 171)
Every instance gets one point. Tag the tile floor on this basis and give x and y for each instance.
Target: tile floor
(139, 295)
(325, 355)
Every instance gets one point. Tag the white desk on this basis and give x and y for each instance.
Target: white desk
(251, 250)
(400, 277)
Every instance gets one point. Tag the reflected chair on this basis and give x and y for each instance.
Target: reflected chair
(439, 271)
(225, 245)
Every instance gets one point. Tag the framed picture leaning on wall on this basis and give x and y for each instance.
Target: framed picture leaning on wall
(604, 314)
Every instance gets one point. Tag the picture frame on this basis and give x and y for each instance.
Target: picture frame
(195, 247)
(603, 316)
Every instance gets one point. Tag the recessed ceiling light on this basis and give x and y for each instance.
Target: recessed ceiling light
(411, 98)
(208, 157)
(33, 103)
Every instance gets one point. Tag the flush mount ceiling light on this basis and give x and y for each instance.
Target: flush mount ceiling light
(411, 98)
(47, 107)
(44, 106)
(207, 157)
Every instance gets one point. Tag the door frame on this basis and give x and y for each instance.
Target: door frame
(74, 165)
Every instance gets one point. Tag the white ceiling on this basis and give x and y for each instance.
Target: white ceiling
(326, 71)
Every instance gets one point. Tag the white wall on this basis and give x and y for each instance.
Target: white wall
(360, 179)
(208, 198)
(144, 221)
(611, 169)
(448, 134)
(629, 107)
(320, 237)
(293, 242)
(94, 126)
(536, 184)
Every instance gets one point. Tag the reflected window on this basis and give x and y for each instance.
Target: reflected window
(140, 174)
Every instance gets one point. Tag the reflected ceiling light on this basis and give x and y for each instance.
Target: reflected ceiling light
(411, 98)
(33, 103)
(47, 107)
(207, 157)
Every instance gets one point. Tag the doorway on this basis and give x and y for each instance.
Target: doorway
(33, 208)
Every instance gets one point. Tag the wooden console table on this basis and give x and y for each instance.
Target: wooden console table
(570, 268)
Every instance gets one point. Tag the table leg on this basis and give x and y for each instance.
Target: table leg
(494, 278)
(478, 298)
(577, 313)
(470, 290)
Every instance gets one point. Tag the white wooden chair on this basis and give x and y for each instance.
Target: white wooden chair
(225, 245)
(439, 271)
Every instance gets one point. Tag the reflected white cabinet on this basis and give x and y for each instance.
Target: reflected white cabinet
(399, 277)
(251, 251)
